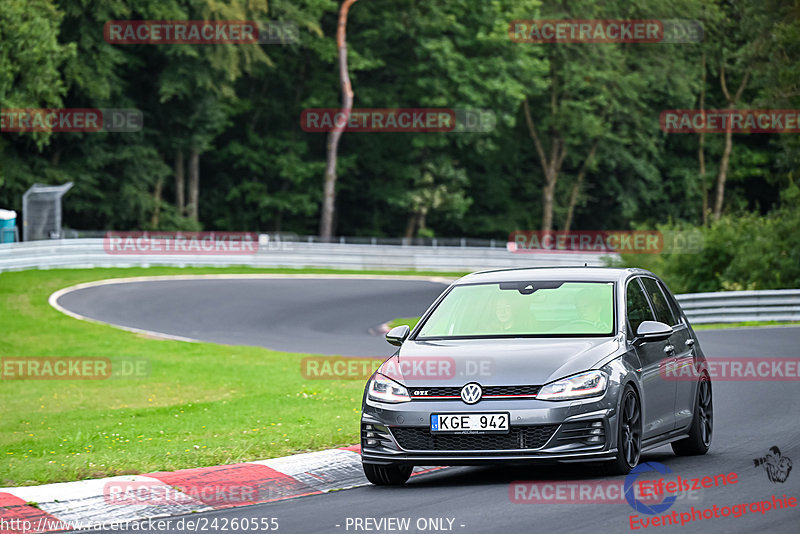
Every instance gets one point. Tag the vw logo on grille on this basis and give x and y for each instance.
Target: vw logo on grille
(471, 393)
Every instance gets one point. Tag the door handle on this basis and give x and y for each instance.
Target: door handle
(669, 348)
(689, 342)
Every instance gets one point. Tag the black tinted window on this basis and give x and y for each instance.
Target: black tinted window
(637, 305)
(660, 306)
(673, 303)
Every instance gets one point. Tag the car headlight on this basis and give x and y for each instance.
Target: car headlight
(384, 389)
(589, 384)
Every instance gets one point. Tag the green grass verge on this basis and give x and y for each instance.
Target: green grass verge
(718, 326)
(410, 321)
(202, 404)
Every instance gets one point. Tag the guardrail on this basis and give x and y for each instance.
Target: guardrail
(87, 253)
(477, 242)
(700, 308)
(738, 306)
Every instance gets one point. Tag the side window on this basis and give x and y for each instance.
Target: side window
(637, 305)
(673, 303)
(660, 306)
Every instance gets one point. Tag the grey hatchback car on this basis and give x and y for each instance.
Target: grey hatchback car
(539, 365)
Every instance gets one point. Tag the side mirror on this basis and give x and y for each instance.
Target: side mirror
(397, 335)
(653, 331)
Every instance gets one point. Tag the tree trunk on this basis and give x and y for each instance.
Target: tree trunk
(411, 225)
(329, 187)
(55, 157)
(550, 166)
(422, 220)
(701, 150)
(705, 206)
(157, 202)
(719, 195)
(278, 226)
(194, 183)
(726, 154)
(573, 197)
(179, 183)
(548, 194)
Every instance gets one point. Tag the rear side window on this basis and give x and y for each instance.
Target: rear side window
(673, 303)
(637, 306)
(660, 306)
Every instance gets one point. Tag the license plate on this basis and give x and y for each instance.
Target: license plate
(469, 423)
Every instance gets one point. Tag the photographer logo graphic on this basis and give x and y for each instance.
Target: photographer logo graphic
(777, 467)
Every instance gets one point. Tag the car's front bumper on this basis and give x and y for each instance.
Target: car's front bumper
(540, 431)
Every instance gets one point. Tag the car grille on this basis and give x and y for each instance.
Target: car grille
(519, 437)
(488, 391)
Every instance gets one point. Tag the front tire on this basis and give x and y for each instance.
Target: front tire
(629, 435)
(702, 427)
(387, 475)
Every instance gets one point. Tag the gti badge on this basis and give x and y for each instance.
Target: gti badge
(471, 393)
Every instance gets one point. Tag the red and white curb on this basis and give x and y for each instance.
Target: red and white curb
(93, 503)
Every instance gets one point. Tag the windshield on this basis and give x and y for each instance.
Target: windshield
(521, 309)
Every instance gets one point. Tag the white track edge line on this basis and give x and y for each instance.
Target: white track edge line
(53, 299)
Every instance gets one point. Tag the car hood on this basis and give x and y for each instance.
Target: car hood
(530, 361)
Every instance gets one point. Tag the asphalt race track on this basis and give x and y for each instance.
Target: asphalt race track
(750, 416)
(321, 316)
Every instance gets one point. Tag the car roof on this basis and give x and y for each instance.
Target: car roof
(569, 274)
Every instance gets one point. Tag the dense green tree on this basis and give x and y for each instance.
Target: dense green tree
(31, 63)
(576, 141)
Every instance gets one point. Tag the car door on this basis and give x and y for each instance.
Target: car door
(684, 344)
(658, 405)
(675, 346)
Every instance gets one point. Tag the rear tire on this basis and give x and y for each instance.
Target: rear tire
(629, 435)
(387, 475)
(702, 428)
